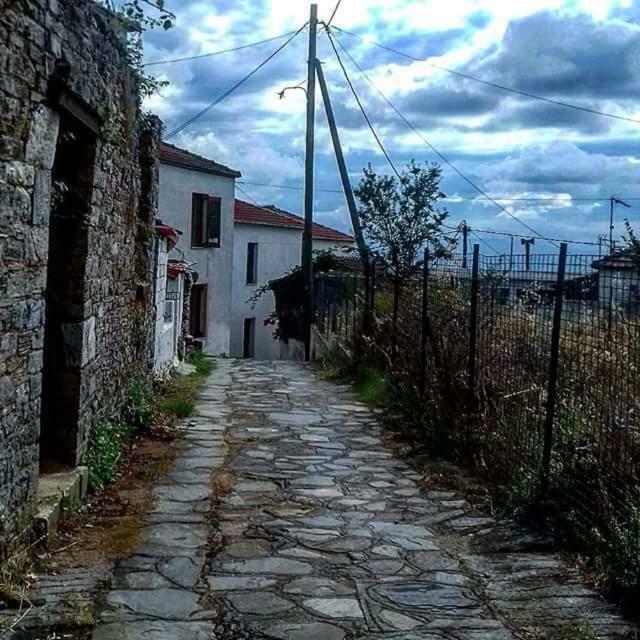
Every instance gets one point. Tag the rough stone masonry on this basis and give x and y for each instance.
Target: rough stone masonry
(78, 187)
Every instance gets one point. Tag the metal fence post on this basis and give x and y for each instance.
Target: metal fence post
(552, 386)
(473, 324)
(423, 318)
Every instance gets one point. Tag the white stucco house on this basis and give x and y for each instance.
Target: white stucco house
(619, 280)
(197, 195)
(267, 245)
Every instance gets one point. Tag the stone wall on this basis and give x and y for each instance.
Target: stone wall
(65, 86)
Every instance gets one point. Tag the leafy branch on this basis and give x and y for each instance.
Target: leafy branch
(130, 22)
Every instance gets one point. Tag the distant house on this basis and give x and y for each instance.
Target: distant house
(267, 245)
(198, 195)
(619, 279)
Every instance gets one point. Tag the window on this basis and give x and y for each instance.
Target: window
(198, 317)
(252, 263)
(249, 338)
(206, 212)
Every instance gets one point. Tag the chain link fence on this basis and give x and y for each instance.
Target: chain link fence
(526, 367)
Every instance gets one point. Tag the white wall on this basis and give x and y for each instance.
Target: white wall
(618, 286)
(164, 344)
(279, 251)
(214, 266)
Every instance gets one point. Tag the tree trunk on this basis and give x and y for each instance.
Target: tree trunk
(394, 321)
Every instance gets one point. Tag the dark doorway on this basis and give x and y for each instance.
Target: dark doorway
(249, 338)
(198, 313)
(66, 327)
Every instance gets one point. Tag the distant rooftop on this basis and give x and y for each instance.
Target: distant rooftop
(271, 216)
(177, 157)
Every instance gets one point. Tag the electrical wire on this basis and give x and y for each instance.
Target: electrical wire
(218, 53)
(488, 83)
(550, 199)
(362, 109)
(431, 146)
(484, 242)
(227, 93)
(333, 15)
(515, 235)
(286, 187)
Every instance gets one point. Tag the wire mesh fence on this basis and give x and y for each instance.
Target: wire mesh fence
(526, 366)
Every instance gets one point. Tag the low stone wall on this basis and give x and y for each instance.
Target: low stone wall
(63, 71)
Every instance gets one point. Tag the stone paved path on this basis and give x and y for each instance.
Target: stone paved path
(328, 536)
(319, 533)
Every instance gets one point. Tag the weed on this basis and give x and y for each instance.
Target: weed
(137, 410)
(175, 397)
(204, 366)
(178, 407)
(370, 386)
(106, 447)
(70, 504)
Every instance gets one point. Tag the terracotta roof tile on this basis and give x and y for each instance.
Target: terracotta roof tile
(272, 216)
(172, 155)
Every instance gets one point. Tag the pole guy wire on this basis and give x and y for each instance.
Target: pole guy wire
(362, 109)
(238, 84)
(219, 53)
(442, 157)
(488, 83)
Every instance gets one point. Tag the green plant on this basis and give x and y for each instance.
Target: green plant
(178, 407)
(106, 446)
(370, 386)
(137, 410)
(204, 366)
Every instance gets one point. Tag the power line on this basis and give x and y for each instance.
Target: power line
(227, 93)
(488, 83)
(362, 109)
(515, 235)
(218, 53)
(484, 242)
(549, 199)
(333, 15)
(431, 146)
(285, 187)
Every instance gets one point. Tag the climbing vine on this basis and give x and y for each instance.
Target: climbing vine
(131, 19)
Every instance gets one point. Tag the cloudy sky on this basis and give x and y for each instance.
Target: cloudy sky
(585, 52)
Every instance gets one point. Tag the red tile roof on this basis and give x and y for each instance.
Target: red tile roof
(273, 217)
(170, 154)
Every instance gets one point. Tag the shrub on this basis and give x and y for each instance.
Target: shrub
(106, 447)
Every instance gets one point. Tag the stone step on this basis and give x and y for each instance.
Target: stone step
(58, 492)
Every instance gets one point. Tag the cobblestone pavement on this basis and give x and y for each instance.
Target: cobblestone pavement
(328, 536)
(319, 533)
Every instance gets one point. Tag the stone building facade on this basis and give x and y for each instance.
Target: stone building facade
(78, 193)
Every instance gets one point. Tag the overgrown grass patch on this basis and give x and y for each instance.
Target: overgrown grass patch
(175, 398)
(370, 386)
(145, 407)
(368, 382)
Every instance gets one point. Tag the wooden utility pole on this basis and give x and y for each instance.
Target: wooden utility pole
(614, 202)
(344, 175)
(307, 238)
(465, 242)
(527, 242)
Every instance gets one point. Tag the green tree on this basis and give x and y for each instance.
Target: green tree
(399, 217)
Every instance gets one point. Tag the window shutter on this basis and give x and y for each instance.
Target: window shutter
(214, 214)
(197, 221)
